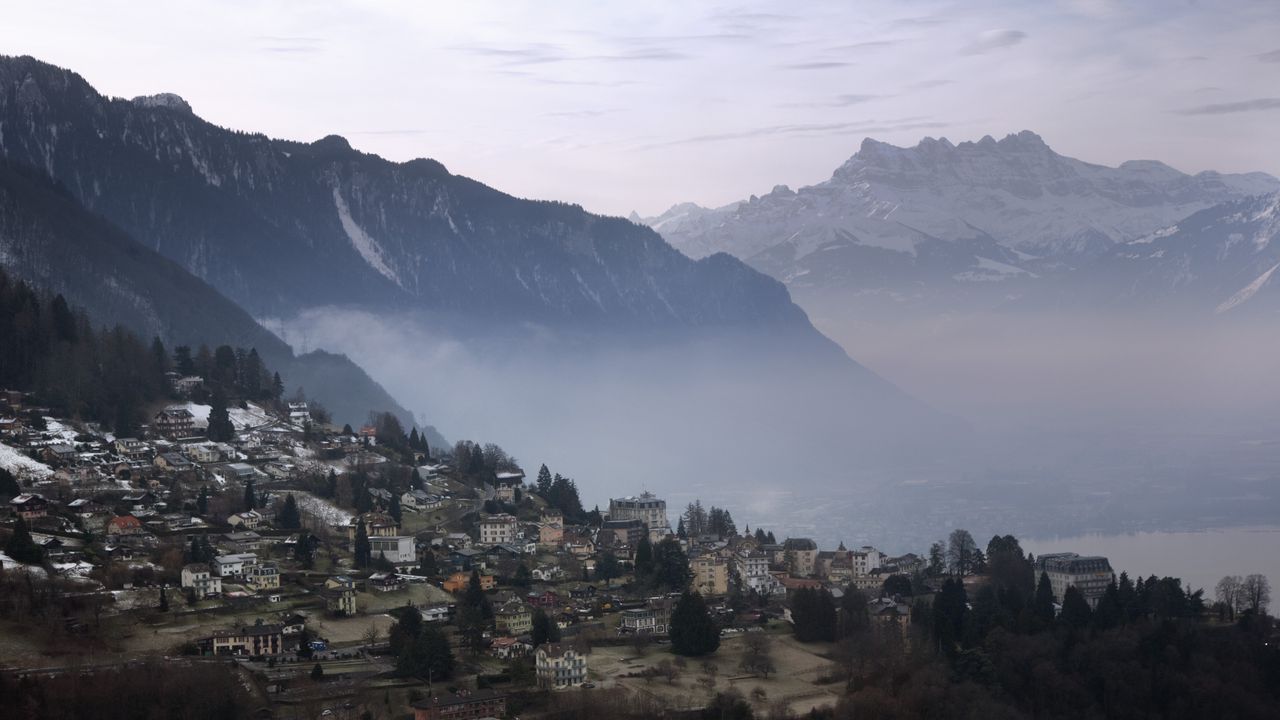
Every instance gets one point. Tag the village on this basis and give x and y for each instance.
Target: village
(361, 573)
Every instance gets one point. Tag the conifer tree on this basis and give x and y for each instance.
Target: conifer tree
(220, 427)
(202, 502)
(21, 546)
(363, 550)
(693, 632)
(250, 497)
(289, 518)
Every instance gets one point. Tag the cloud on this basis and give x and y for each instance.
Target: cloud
(1270, 57)
(927, 84)
(817, 65)
(801, 129)
(839, 101)
(545, 53)
(868, 45)
(1233, 107)
(289, 44)
(994, 40)
(578, 113)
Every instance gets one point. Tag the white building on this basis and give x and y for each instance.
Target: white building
(865, 560)
(397, 549)
(647, 508)
(753, 568)
(199, 578)
(233, 565)
(498, 530)
(1089, 575)
(560, 666)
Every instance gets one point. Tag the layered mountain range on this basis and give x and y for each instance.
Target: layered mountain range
(482, 310)
(941, 224)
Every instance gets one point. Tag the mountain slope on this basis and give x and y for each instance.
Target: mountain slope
(281, 226)
(47, 238)
(940, 218)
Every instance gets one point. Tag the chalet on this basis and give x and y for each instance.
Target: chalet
(204, 452)
(299, 413)
(652, 619)
(132, 449)
(466, 558)
(243, 541)
(174, 422)
(544, 599)
(29, 506)
(199, 578)
(551, 528)
(463, 705)
(509, 648)
(420, 501)
(292, 623)
(174, 462)
(240, 471)
(548, 573)
(59, 453)
(386, 582)
(375, 525)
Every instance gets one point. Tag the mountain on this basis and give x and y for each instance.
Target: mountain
(499, 314)
(47, 238)
(939, 221)
(1220, 260)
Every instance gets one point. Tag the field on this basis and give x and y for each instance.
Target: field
(799, 668)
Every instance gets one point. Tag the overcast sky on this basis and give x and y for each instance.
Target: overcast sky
(622, 106)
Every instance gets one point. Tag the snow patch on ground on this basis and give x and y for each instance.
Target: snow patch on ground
(1247, 291)
(241, 419)
(328, 513)
(23, 467)
(364, 244)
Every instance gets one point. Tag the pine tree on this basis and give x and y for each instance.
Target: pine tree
(544, 481)
(394, 509)
(289, 518)
(1076, 612)
(220, 427)
(363, 550)
(317, 673)
(202, 502)
(250, 497)
(277, 387)
(1042, 606)
(8, 484)
(644, 560)
(693, 633)
(544, 629)
(21, 546)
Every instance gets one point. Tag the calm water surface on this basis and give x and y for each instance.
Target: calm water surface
(1200, 557)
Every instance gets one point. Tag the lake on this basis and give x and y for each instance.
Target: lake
(1200, 558)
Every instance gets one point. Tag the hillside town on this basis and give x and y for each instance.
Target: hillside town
(358, 572)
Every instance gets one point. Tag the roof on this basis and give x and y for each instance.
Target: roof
(123, 521)
(800, 544)
(555, 649)
(462, 697)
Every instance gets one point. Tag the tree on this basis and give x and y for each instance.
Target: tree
(394, 509)
(305, 551)
(949, 610)
(317, 673)
(644, 559)
(670, 569)
(21, 546)
(757, 657)
(854, 616)
(220, 427)
(522, 578)
(289, 517)
(896, 585)
(813, 615)
(961, 552)
(363, 549)
(544, 629)
(1229, 593)
(1042, 607)
(692, 631)
(8, 484)
(608, 568)
(543, 482)
(250, 497)
(164, 600)
(202, 502)
(1255, 591)
(1076, 612)
(937, 560)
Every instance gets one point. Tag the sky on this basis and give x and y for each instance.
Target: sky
(637, 106)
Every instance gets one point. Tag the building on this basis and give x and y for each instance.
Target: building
(124, 525)
(254, 641)
(247, 520)
(397, 550)
(508, 648)
(386, 582)
(339, 593)
(551, 528)
(459, 581)
(652, 619)
(262, 577)
(801, 555)
(498, 529)
(560, 666)
(628, 533)
(420, 501)
(463, 705)
(753, 568)
(174, 422)
(710, 574)
(234, 565)
(435, 613)
(1090, 575)
(513, 618)
(199, 578)
(375, 525)
(29, 506)
(647, 508)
